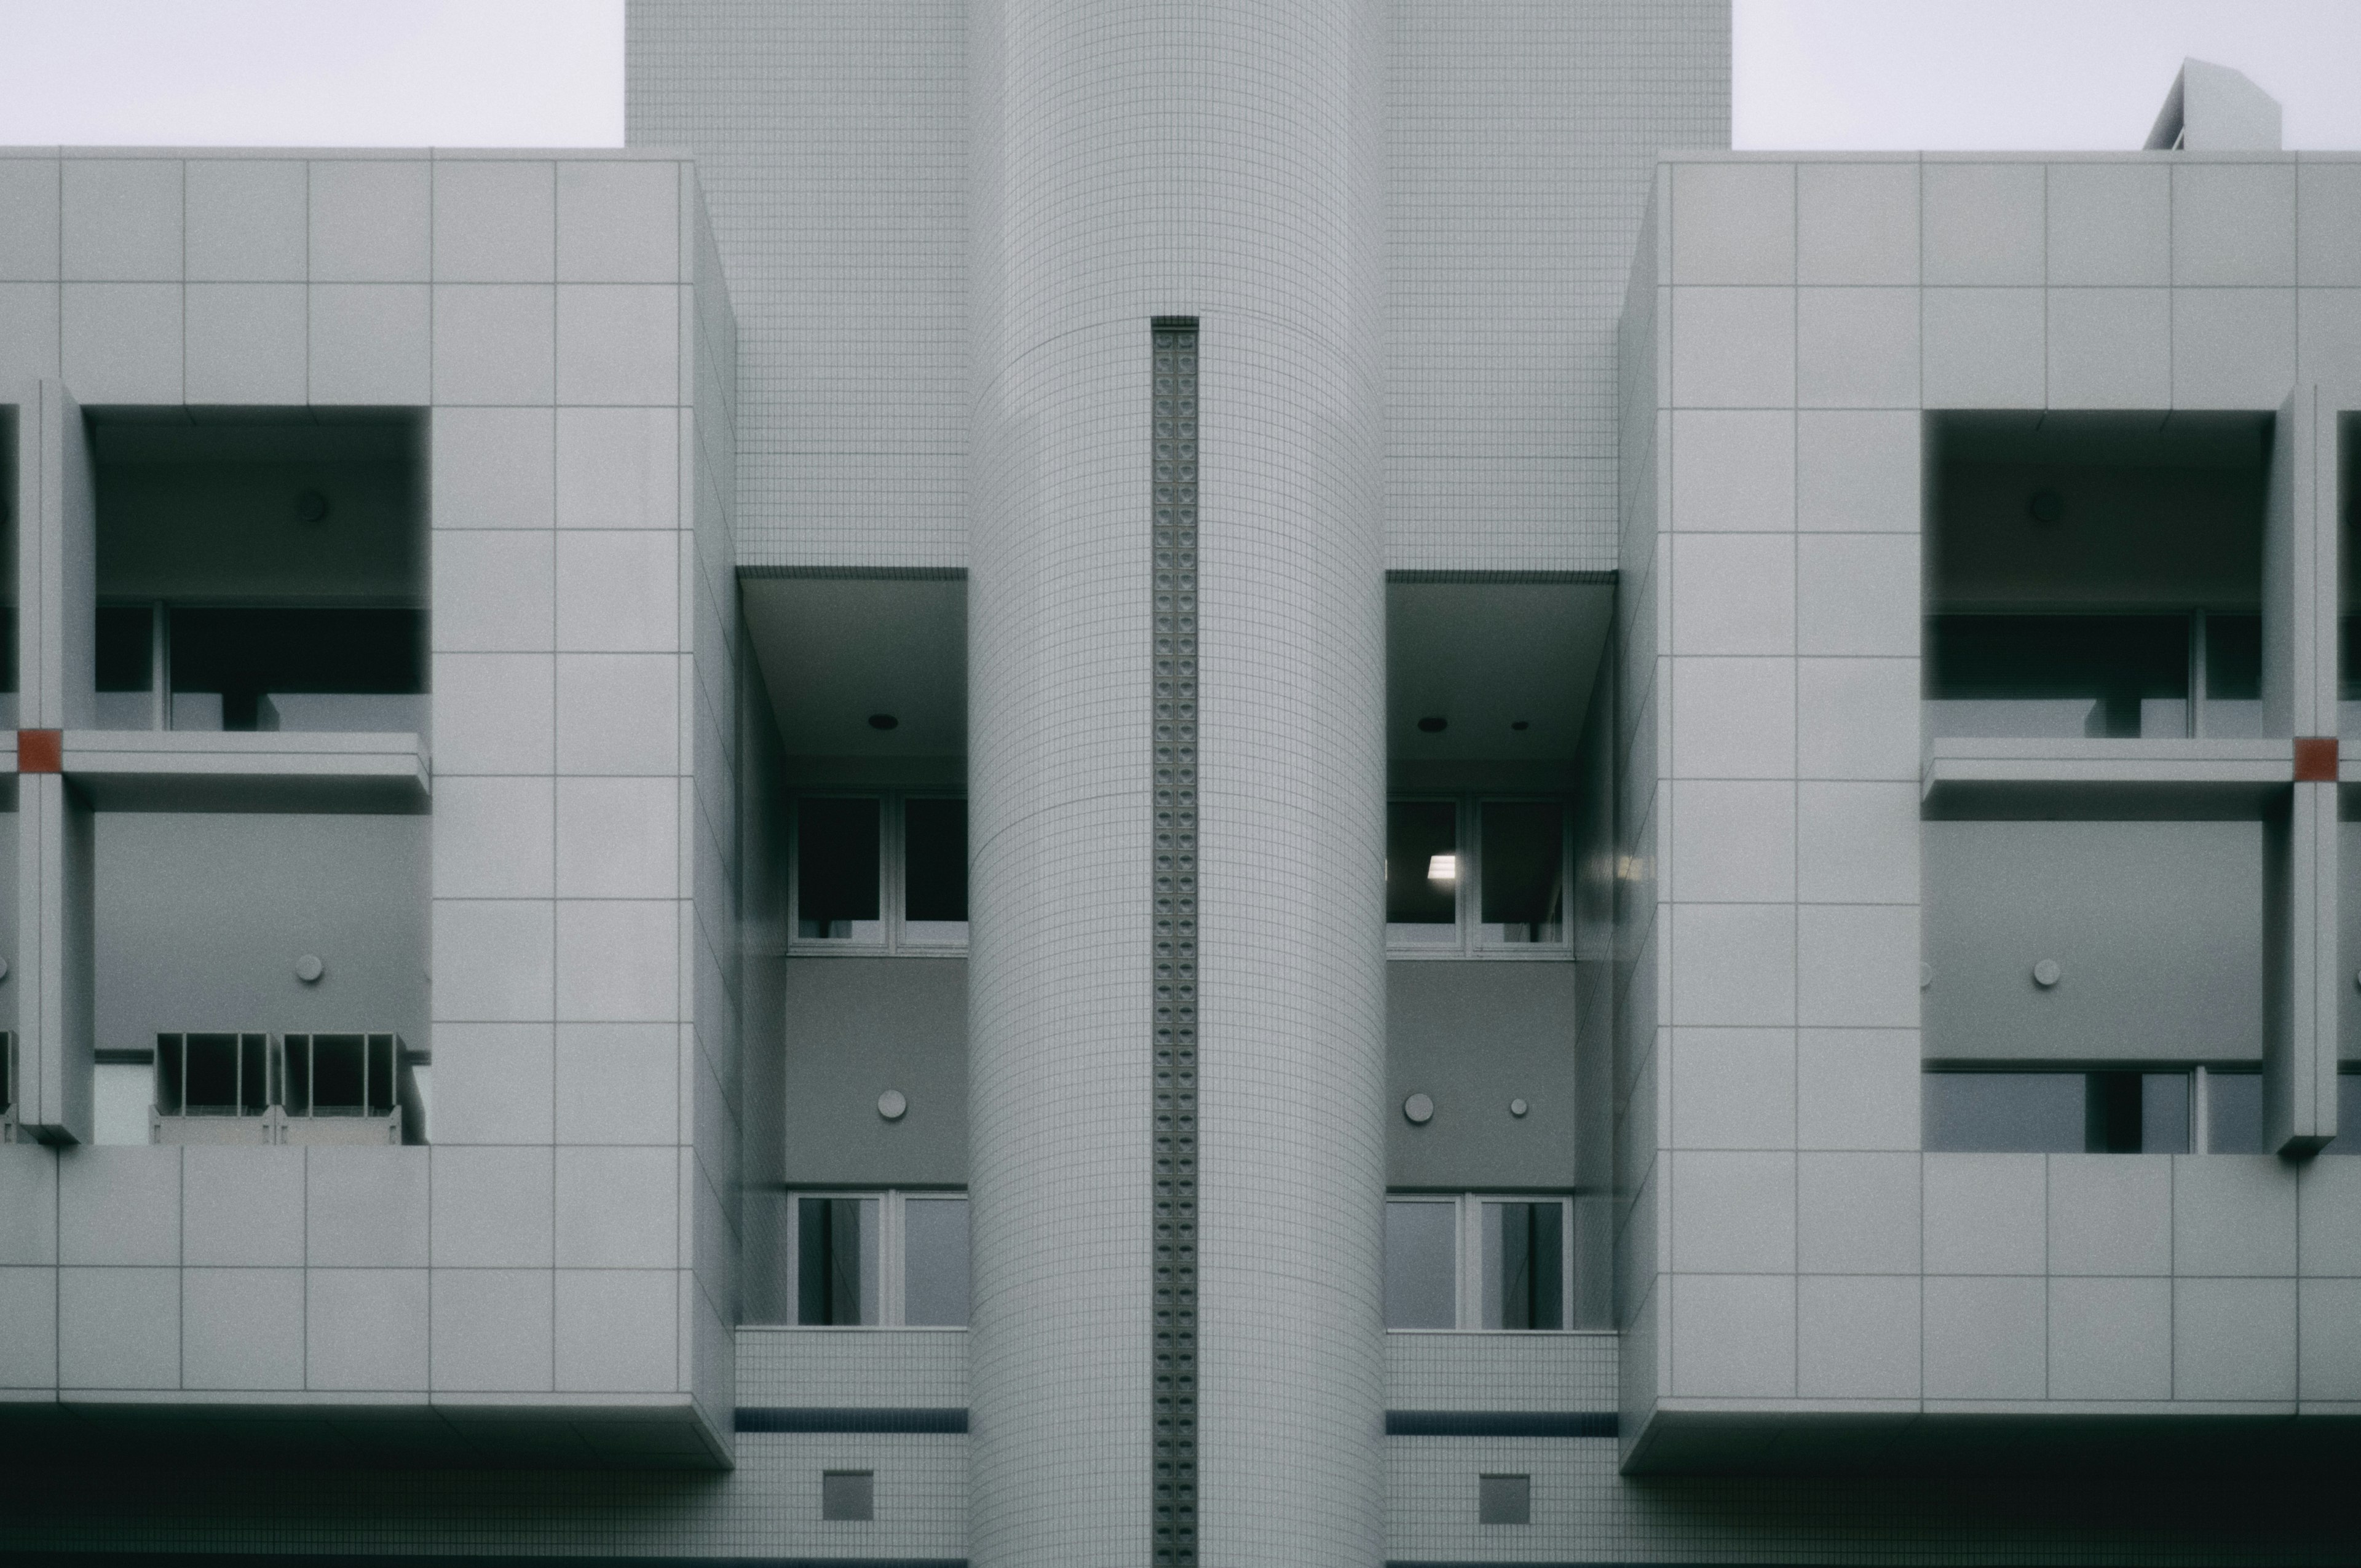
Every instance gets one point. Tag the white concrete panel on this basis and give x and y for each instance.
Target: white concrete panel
(494, 837)
(494, 960)
(1733, 594)
(2110, 348)
(28, 1328)
(494, 713)
(1733, 1088)
(1734, 718)
(2111, 1214)
(1733, 964)
(1857, 718)
(247, 220)
(493, 468)
(1857, 1338)
(1858, 471)
(1732, 841)
(1986, 1213)
(618, 960)
(1733, 223)
(1984, 348)
(122, 220)
(2110, 225)
(2234, 1215)
(1856, 843)
(618, 344)
(1857, 965)
(618, 1083)
(28, 336)
(1857, 1088)
(247, 342)
(1858, 1213)
(1858, 594)
(365, 1330)
(2330, 1347)
(495, 343)
(2234, 1339)
(242, 1207)
(2233, 348)
(1857, 348)
(29, 242)
(2328, 338)
(618, 223)
(618, 713)
(366, 1207)
(371, 221)
(619, 467)
(618, 592)
(2110, 1339)
(1733, 1336)
(1733, 470)
(616, 1330)
(2233, 223)
(1986, 1338)
(618, 837)
(370, 343)
(119, 1205)
(121, 343)
(1733, 349)
(495, 222)
(2328, 225)
(618, 1208)
(493, 1330)
(29, 1221)
(1856, 223)
(119, 1327)
(1984, 223)
(493, 1208)
(242, 1328)
(495, 1083)
(2328, 1203)
(495, 591)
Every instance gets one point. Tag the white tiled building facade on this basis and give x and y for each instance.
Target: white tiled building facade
(1181, 784)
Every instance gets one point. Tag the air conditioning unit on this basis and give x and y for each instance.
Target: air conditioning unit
(347, 1089)
(217, 1088)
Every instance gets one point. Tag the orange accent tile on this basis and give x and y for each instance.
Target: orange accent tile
(41, 751)
(2315, 759)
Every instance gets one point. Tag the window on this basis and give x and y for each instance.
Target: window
(848, 1494)
(2348, 1112)
(1504, 1499)
(880, 874)
(880, 1259)
(1478, 1261)
(2115, 1111)
(1477, 875)
(2103, 677)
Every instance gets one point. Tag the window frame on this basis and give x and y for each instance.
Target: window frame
(1468, 828)
(893, 1262)
(894, 939)
(1468, 1259)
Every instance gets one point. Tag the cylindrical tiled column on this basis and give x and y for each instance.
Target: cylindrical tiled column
(1219, 163)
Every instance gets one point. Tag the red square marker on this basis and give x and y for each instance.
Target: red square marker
(2315, 759)
(41, 751)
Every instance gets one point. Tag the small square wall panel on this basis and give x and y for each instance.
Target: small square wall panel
(1986, 1339)
(121, 343)
(2234, 1339)
(2233, 223)
(1985, 348)
(1984, 222)
(619, 222)
(247, 342)
(247, 220)
(1733, 223)
(370, 221)
(2110, 225)
(1856, 223)
(29, 242)
(119, 1327)
(495, 222)
(2110, 1339)
(122, 220)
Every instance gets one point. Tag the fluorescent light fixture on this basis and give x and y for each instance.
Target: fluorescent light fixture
(1443, 868)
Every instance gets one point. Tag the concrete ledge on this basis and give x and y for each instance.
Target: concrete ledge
(248, 771)
(2046, 778)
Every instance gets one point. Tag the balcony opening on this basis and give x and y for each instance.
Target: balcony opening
(2097, 576)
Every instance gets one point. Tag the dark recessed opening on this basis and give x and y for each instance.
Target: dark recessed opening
(882, 721)
(1433, 725)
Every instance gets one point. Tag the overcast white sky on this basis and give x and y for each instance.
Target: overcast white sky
(1810, 73)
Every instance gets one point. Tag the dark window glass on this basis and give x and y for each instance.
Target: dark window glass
(1522, 884)
(2348, 1116)
(8, 645)
(1421, 1264)
(934, 1261)
(2233, 1112)
(1421, 862)
(2113, 661)
(836, 1264)
(836, 868)
(2164, 1113)
(2234, 657)
(1524, 1266)
(126, 647)
(2126, 1112)
(245, 654)
(934, 855)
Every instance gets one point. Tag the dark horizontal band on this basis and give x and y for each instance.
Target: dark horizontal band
(1500, 1423)
(806, 1418)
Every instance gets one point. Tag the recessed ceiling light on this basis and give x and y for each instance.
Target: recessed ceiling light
(1434, 724)
(882, 721)
(1520, 725)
